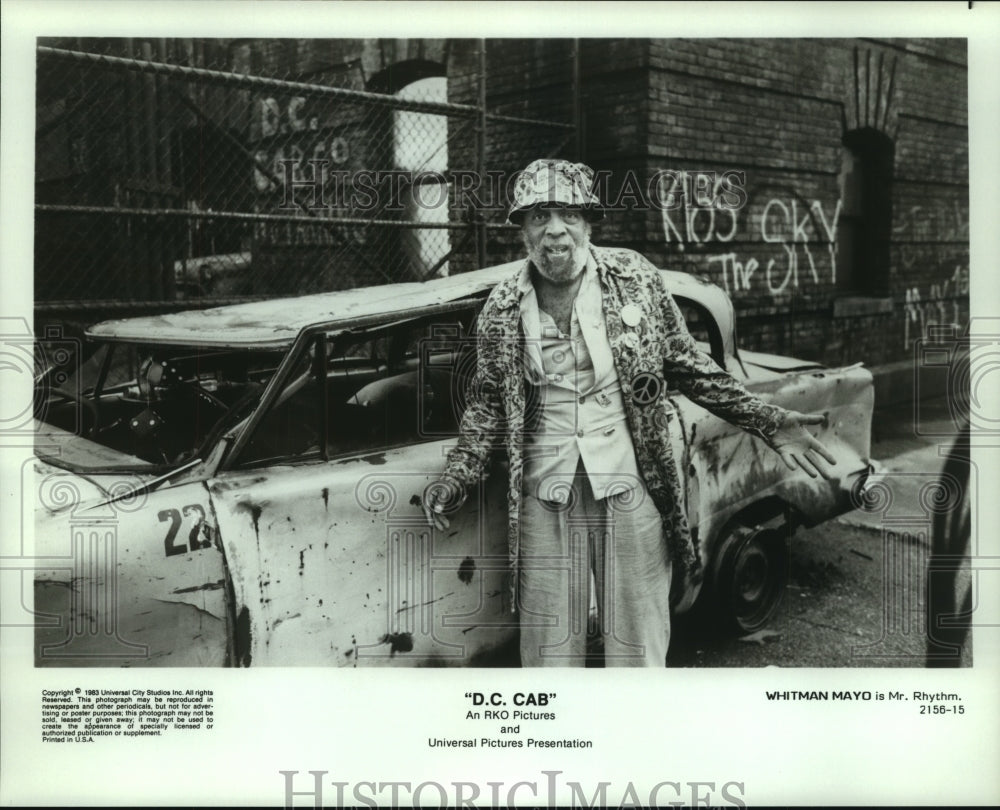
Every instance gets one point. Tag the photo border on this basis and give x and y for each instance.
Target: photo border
(692, 725)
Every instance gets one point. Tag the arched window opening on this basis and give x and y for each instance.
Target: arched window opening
(420, 143)
(864, 227)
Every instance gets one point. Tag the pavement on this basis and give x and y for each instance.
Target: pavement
(857, 584)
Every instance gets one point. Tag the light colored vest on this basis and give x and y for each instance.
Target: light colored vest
(582, 415)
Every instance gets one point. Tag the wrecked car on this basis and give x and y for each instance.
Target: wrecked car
(242, 485)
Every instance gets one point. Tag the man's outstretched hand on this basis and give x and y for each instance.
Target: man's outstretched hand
(800, 449)
(443, 495)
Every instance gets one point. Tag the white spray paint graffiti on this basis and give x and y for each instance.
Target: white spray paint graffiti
(921, 224)
(939, 307)
(787, 222)
(718, 224)
(939, 223)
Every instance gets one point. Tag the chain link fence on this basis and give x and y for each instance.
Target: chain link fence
(177, 173)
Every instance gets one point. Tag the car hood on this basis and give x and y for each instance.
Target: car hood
(776, 362)
(60, 490)
(60, 451)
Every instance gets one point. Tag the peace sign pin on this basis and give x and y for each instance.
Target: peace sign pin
(646, 388)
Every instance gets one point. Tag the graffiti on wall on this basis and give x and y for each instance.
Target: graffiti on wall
(938, 306)
(944, 303)
(785, 223)
(806, 230)
(922, 224)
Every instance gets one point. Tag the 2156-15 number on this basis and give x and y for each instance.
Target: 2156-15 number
(940, 708)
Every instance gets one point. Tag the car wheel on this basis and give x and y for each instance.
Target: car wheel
(750, 574)
(950, 600)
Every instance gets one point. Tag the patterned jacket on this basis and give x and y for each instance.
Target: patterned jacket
(659, 343)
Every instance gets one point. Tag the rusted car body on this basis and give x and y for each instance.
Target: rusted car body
(242, 486)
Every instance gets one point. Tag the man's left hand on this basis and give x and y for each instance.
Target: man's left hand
(798, 448)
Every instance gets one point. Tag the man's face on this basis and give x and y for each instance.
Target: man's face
(556, 240)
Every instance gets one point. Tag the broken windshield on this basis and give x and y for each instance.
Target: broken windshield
(149, 404)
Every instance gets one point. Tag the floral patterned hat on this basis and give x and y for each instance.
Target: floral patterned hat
(555, 182)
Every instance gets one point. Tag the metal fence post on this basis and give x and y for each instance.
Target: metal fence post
(481, 153)
(577, 106)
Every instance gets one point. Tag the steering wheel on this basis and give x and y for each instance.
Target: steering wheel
(179, 433)
(202, 394)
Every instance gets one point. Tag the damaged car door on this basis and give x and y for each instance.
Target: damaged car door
(319, 508)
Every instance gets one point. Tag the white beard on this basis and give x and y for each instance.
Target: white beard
(559, 269)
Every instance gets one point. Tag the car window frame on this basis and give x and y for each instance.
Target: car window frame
(329, 341)
(716, 341)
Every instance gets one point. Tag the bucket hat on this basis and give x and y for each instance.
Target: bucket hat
(555, 182)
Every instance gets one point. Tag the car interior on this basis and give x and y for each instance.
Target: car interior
(386, 388)
(156, 403)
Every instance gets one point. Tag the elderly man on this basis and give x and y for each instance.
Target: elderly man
(594, 495)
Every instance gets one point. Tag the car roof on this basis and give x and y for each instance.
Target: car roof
(275, 323)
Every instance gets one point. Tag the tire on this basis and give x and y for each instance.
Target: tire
(750, 574)
(949, 605)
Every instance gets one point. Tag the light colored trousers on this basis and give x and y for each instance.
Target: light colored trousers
(619, 539)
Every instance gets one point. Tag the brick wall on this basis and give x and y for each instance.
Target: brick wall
(774, 111)
(777, 110)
